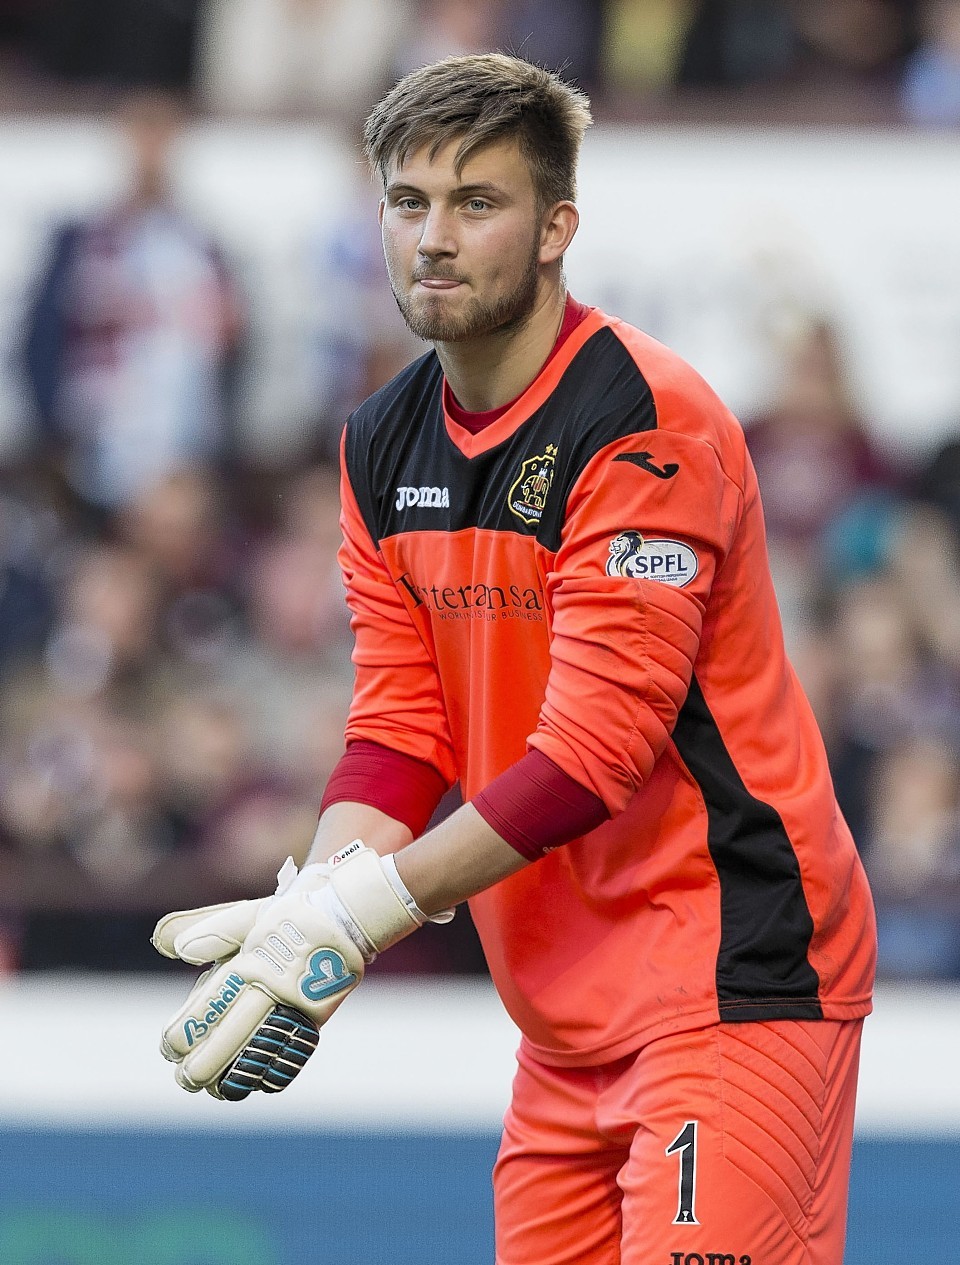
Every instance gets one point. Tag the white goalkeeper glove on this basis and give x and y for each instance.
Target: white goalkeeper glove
(285, 963)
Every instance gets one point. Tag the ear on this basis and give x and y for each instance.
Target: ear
(380, 210)
(557, 230)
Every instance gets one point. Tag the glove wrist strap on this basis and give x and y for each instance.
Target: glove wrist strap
(389, 863)
(360, 882)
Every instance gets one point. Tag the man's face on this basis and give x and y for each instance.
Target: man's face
(462, 251)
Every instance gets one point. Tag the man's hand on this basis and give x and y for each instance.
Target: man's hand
(285, 963)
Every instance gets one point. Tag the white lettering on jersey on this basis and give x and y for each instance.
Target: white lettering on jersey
(425, 498)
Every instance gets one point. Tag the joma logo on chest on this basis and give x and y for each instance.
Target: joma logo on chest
(425, 498)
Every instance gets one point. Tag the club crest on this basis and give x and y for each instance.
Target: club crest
(528, 495)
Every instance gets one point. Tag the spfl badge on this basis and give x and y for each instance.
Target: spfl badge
(640, 558)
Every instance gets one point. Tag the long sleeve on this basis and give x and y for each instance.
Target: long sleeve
(629, 589)
(397, 699)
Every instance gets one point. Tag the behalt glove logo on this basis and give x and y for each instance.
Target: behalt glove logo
(193, 1028)
(328, 975)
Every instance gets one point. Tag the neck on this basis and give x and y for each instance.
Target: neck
(493, 369)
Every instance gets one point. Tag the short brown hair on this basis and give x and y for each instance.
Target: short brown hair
(484, 98)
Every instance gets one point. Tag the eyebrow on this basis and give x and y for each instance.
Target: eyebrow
(484, 188)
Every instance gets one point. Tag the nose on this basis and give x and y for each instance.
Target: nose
(436, 238)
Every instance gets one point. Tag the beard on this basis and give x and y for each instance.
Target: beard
(428, 319)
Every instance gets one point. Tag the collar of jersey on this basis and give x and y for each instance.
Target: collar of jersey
(539, 390)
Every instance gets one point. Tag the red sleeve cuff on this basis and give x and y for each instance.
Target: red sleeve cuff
(399, 785)
(536, 807)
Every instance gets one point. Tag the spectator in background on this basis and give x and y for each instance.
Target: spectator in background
(927, 559)
(924, 560)
(735, 43)
(559, 34)
(297, 645)
(268, 56)
(108, 623)
(184, 528)
(29, 533)
(17, 18)
(913, 855)
(818, 468)
(930, 90)
(881, 683)
(81, 829)
(642, 44)
(220, 792)
(296, 599)
(938, 482)
(134, 332)
(449, 28)
(895, 740)
(117, 43)
(852, 42)
(782, 45)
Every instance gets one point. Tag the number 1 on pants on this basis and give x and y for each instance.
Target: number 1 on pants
(686, 1144)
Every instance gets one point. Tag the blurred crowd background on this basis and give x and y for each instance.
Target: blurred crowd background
(864, 57)
(174, 644)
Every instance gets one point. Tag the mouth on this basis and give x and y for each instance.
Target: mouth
(430, 282)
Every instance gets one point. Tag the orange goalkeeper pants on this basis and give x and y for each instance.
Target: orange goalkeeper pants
(725, 1146)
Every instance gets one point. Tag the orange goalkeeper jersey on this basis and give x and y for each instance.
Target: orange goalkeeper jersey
(588, 576)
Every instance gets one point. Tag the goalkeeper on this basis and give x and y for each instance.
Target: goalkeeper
(553, 552)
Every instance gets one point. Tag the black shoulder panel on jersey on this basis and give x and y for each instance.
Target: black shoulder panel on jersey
(408, 475)
(602, 397)
(763, 971)
(390, 423)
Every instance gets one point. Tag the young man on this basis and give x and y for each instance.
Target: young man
(554, 556)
